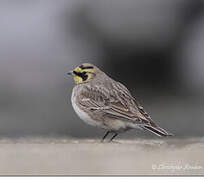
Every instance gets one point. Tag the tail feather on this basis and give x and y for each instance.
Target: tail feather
(157, 130)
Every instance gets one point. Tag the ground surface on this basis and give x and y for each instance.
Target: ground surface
(65, 156)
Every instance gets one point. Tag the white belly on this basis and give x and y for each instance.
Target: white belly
(83, 115)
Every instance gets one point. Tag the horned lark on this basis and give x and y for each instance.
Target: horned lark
(103, 102)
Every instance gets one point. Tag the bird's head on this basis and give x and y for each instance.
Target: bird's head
(84, 73)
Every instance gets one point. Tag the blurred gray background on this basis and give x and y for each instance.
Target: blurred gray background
(156, 48)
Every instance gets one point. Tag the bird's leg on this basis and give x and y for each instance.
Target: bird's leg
(113, 137)
(105, 136)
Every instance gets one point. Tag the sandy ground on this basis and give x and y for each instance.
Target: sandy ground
(65, 156)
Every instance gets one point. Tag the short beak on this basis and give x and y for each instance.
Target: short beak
(70, 73)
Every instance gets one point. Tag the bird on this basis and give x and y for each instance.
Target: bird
(103, 102)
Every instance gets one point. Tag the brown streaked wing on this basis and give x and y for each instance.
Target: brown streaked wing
(119, 101)
(92, 97)
(144, 114)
